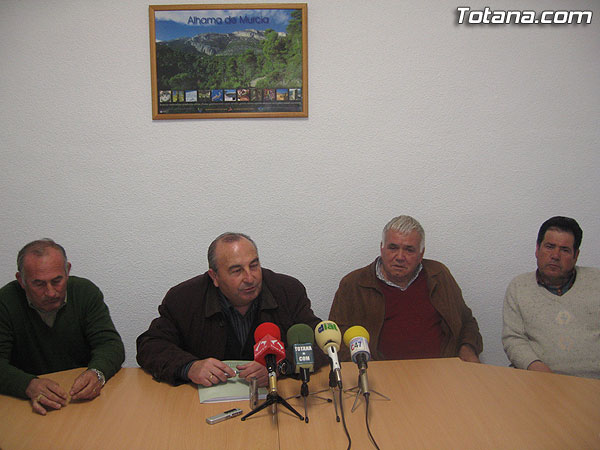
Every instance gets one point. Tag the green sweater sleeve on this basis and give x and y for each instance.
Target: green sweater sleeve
(13, 381)
(107, 350)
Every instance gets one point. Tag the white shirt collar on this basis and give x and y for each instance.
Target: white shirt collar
(381, 276)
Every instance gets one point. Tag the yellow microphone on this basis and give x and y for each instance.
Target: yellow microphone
(357, 340)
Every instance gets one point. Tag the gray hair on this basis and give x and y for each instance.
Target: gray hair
(39, 248)
(225, 237)
(404, 225)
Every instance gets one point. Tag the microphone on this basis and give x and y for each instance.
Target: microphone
(329, 338)
(357, 340)
(301, 337)
(269, 350)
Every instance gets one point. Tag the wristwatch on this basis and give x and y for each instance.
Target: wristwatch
(100, 375)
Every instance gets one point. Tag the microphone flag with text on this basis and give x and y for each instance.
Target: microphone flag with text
(268, 350)
(329, 338)
(301, 338)
(357, 340)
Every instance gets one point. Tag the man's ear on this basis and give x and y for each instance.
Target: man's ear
(20, 279)
(213, 276)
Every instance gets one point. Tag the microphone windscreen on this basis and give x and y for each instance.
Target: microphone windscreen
(327, 334)
(267, 328)
(355, 331)
(268, 345)
(300, 333)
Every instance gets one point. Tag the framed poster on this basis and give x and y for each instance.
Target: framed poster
(229, 60)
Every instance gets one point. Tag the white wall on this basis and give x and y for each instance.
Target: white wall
(480, 132)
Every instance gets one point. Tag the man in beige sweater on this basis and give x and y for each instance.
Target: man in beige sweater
(552, 315)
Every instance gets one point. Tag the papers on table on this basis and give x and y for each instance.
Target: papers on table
(233, 390)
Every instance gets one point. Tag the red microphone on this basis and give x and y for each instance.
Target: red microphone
(267, 328)
(268, 350)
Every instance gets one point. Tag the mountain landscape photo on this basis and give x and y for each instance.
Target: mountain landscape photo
(241, 58)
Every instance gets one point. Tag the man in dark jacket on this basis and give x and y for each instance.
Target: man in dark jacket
(212, 317)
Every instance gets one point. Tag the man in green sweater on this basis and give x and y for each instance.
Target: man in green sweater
(552, 315)
(50, 321)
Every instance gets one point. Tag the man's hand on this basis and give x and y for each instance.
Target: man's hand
(209, 371)
(539, 366)
(256, 370)
(44, 394)
(86, 386)
(467, 353)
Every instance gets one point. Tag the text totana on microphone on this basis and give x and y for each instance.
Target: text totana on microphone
(300, 337)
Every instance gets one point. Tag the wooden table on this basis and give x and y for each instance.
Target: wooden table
(450, 404)
(436, 403)
(133, 412)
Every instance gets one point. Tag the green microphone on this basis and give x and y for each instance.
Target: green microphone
(301, 338)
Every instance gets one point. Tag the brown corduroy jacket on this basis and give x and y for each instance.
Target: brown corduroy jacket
(359, 301)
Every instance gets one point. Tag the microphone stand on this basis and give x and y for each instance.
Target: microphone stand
(305, 374)
(361, 387)
(335, 380)
(273, 398)
(333, 384)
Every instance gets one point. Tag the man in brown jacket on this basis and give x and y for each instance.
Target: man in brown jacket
(411, 307)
